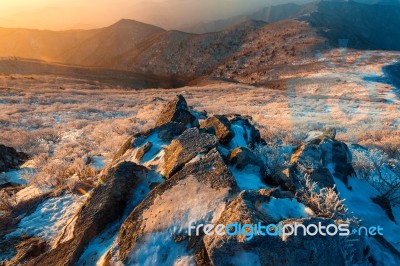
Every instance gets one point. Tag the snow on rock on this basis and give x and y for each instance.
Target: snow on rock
(248, 178)
(160, 247)
(282, 209)
(98, 247)
(204, 205)
(157, 146)
(50, 217)
(239, 139)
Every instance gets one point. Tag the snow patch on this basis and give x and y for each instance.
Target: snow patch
(159, 248)
(98, 162)
(157, 146)
(282, 209)
(201, 206)
(239, 139)
(15, 176)
(98, 247)
(50, 217)
(248, 178)
(359, 202)
(246, 258)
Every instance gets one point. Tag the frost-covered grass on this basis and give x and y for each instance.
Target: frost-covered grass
(64, 123)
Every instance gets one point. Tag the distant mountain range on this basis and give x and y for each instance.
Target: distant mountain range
(280, 35)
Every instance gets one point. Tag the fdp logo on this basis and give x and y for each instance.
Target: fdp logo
(339, 96)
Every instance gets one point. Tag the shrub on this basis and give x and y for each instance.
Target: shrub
(325, 202)
(380, 171)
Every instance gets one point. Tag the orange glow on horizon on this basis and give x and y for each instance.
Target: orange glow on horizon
(85, 14)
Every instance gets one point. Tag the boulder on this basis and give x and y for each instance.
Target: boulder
(106, 204)
(196, 193)
(322, 159)
(271, 249)
(10, 159)
(176, 111)
(220, 126)
(190, 144)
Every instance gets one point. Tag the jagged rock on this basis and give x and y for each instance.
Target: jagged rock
(308, 155)
(28, 249)
(321, 158)
(176, 111)
(220, 126)
(273, 250)
(196, 193)
(183, 149)
(164, 133)
(242, 156)
(106, 204)
(142, 150)
(337, 156)
(11, 159)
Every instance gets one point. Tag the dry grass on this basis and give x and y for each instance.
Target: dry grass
(64, 121)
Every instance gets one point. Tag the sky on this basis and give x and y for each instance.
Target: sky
(84, 14)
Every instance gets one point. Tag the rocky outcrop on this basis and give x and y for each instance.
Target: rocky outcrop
(204, 186)
(179, 173)
(10, 159)
(247, 208)
(183, 149)
(106, 204)
(321, 159)
(176, 111)
(220, 126)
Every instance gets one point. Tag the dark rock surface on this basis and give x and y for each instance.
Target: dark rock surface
(10, 159)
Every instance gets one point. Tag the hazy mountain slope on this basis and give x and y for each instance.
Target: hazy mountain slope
(366, 26)
(111, 42)
(275, 50)
(81, 47)
(38, 44)
(191, 55)
(267, 14)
